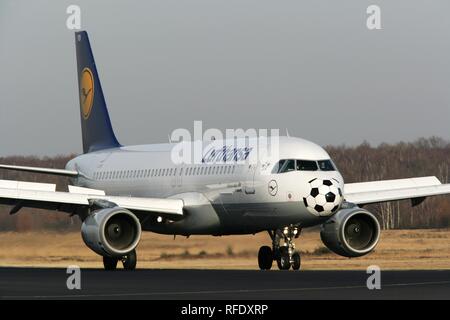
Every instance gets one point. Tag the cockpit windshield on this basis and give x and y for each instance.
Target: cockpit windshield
(287, 165)
(304, 165)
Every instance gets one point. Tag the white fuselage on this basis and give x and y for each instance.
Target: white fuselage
(220, 197)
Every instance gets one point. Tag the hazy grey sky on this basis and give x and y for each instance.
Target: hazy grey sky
(310, 66)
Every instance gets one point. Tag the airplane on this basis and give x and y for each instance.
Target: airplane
(119, 191)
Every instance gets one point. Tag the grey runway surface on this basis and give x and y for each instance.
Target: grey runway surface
(39, 283)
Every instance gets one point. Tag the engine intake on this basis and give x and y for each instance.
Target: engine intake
(112, 231)
(351, 232)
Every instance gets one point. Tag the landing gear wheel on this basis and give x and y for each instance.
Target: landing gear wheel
(284, 261)
(130, 260)
(265, 258)
(110, 263)
(296, 261)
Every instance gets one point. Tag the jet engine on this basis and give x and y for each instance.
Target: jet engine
(351, 232)
(111, 232)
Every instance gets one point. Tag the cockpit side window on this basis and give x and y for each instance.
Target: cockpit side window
(277, 167)
(326, 165)
(288, 165)
(284, 166)
(305, 165)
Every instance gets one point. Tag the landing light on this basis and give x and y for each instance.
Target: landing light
(159, 219)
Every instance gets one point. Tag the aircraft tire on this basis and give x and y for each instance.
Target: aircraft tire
(110, 263)
(130, 260)
(265, 258)
(296, 261)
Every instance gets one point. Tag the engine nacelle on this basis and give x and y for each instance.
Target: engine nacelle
(351, 232)
(112, 232)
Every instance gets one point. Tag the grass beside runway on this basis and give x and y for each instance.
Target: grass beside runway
(398, 249)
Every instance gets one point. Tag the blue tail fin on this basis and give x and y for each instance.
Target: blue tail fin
(95, 123)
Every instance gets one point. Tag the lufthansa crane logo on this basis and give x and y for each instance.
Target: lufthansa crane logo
(273, 188)
(86, 92)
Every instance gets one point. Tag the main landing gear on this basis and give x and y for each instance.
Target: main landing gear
(129, 261)
(284, 254)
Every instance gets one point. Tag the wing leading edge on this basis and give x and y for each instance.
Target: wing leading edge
(40, 195)
(52, 171)
(416, 189)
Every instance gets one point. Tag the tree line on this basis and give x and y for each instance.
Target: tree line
(423, 157)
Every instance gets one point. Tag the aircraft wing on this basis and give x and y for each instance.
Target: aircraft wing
(416, 189)
(42, 195)
(58, 172)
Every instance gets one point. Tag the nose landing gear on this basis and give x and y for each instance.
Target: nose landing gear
(284, 254)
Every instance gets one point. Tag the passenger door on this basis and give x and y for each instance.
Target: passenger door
(250, 179)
